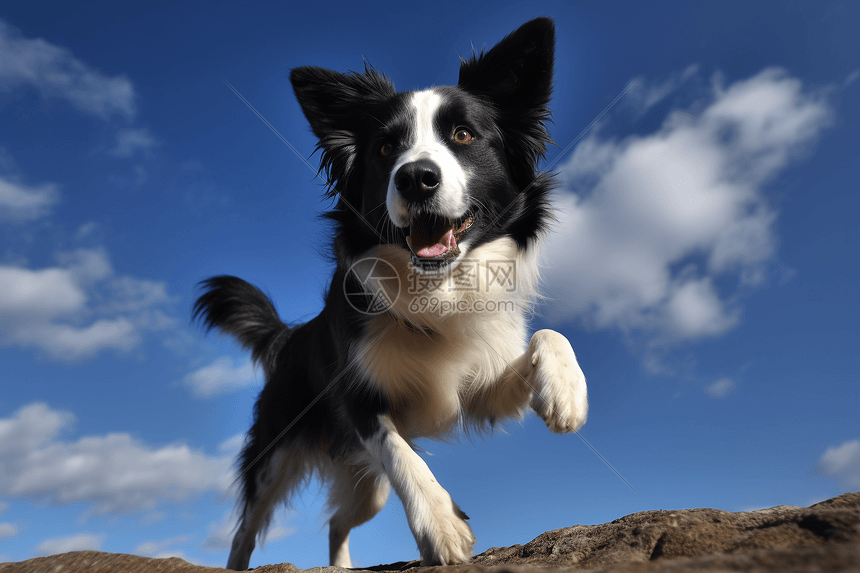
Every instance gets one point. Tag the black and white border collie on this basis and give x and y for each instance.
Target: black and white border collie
(438, 218)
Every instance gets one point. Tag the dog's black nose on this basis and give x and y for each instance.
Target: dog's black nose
(418, 180)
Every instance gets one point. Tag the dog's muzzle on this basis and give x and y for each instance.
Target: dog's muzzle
(433, 236)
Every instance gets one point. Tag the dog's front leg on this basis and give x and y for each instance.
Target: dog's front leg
(560, 395)
(439, 526)
(547, 377)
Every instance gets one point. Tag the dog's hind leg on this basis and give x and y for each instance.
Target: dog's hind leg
(356, 495)
(275, 477)
(243, 545)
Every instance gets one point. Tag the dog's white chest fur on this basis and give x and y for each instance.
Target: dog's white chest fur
(445, 338)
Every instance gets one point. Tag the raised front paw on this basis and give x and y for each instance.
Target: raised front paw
(560, 396)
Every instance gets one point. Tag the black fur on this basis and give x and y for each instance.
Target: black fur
(311, 391)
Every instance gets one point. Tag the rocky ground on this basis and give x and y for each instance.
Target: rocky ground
(784, 539)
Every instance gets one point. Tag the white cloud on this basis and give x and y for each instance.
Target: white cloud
(221, 533)
(8, 530)
(86, 230)
(31, 427)
(720, 388)
(55, 72)
(152, 517)
(643, 96)
(695, 309)
(80, 542)
(22, 203)
(71, 342)
(280, 531)
(648, 226)
(132, 139)
(172, 553)
(842, 463)
(78, 308)
(158, 548)
(221, 377)
(114, 473)
(127, 294)
(231, 446)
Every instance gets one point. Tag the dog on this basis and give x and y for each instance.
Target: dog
(439, 213)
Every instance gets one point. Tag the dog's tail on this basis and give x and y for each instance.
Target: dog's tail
(241, 309)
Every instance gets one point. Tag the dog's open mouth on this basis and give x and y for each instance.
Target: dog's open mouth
(434, 239)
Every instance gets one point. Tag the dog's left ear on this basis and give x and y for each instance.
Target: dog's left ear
(516, 76)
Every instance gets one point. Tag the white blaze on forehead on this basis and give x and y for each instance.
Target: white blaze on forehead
(426, 104)
(450, 200)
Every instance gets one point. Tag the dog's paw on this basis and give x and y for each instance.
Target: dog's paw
(448, 540)
(560, 396)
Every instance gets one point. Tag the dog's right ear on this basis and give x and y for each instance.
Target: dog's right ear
(331, 99)
(338, 106)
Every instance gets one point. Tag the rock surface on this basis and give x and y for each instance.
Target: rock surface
(784, 539)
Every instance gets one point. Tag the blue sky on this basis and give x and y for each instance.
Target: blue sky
(704, 265)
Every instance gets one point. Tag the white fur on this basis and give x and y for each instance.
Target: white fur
(429, 362)
(442, 534)
(451, 200)
(439, 368)
(357, 493)
(560, 395)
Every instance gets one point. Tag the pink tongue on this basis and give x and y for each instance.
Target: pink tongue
(439, 248)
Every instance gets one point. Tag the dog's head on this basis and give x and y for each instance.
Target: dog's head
(438, 171)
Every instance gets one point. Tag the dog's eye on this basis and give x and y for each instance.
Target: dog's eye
(463, 135)
(385, 150)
